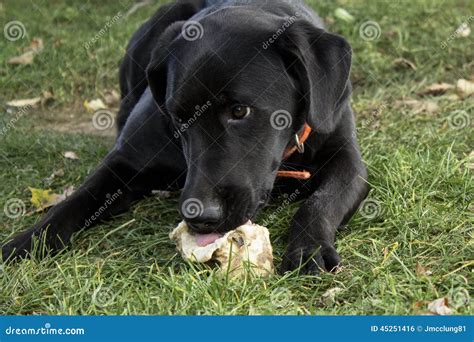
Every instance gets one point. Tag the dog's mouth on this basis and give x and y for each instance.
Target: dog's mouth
(203, 240)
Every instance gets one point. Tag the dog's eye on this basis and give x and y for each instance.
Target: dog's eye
(240, 111)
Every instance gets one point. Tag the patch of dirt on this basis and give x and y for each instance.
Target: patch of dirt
(70, 119)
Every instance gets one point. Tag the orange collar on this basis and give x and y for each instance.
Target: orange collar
(299, 146)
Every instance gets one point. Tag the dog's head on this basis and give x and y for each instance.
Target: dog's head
(238, 87)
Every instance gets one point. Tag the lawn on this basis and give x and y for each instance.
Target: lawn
(409, 244)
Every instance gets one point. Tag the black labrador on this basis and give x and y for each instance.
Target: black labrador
(214, 93)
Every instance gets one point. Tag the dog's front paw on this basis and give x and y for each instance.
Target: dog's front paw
(18, 246)
(310, 260)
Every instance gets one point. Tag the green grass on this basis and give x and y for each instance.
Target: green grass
(421, 183)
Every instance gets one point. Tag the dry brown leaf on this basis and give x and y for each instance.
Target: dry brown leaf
(421, 270)
(25, 58)
(470, 162)
(329, 297)
(418, 106)
(94, 105)
(24, 102)
(463, 30)
(45, 98)
(403, 62)
(436, 89)
(111, 98)
(465, 87)
(35, 47)
(440, 307)
(70, 155)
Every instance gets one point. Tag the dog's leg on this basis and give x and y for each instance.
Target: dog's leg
(143, 159)
(340, 188)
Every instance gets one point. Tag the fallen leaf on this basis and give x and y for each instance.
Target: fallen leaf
(421, 270)
(70, 155)
(429, 107)
(112, 98)
(329, 297)
(35, 47)
(403, 62)
(470, 163)
(24, 102)
(94, 105)
(440, 307)
(43, 199)
(465, 87)
(341, 13)
(463, 30)
(44, 99)
(436, 89)
(25, 58)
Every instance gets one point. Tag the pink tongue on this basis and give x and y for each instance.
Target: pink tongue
(203, 240)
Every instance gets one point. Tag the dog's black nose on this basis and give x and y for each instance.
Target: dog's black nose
(201, 218)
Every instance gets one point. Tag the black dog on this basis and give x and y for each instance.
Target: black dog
(213, 94)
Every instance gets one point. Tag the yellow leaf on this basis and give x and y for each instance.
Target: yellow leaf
(42, 198)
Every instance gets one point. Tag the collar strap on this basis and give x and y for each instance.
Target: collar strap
(300, 139)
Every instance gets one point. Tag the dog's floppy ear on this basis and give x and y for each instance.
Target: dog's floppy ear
(320, 62)
(156, 71)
